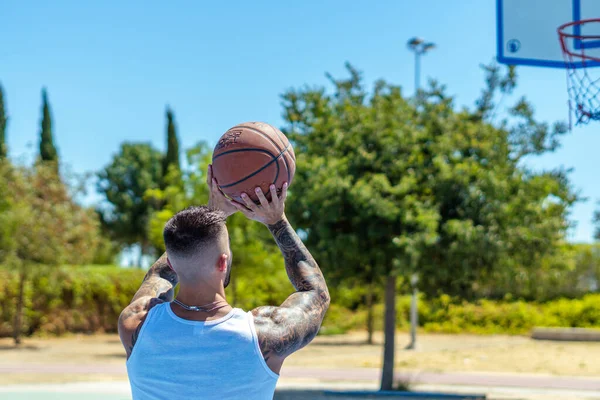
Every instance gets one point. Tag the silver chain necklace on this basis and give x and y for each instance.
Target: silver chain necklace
(205, 308)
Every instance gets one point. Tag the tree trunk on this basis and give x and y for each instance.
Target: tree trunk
(370, 314)
(19, 311)
(387, 375)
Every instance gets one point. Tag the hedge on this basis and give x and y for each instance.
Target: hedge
(88, 299)
(445, 315)
(68, 299)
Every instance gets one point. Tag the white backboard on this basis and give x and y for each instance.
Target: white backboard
(527, 31)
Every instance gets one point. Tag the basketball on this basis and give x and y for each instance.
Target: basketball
(250, 155)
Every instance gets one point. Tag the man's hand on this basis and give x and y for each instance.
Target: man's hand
(217, 199)
(267, 213)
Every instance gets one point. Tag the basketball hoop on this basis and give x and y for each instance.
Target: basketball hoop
(583, 88)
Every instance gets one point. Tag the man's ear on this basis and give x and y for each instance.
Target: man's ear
(222, 263)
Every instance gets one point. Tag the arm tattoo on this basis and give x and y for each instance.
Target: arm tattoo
(159, 281)
(286, 329)
(157, 287)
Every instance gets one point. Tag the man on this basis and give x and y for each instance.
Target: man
(197, 346)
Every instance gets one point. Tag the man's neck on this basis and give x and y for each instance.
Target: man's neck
(198, 295)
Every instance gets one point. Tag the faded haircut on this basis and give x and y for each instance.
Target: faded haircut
(191, 229)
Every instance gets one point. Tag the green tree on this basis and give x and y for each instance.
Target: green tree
(571, 272)
(40, 225)
(356, 191)
(136, 169)
(485, 197)
(47, 149)
(179, 192)
(3, 123)
(389, 187)
(171, 159)
(7, 205)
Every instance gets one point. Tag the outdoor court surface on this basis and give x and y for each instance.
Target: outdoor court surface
(294, 389)
(504, 367)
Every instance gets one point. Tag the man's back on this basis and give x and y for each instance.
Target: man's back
(215, 359)
(191, 349)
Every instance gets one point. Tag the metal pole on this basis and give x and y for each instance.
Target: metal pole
(420, 47)
(417, 71)
(414, 315)
(414, 319)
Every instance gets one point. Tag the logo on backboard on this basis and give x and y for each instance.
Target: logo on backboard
(513, 45)
(229, 138)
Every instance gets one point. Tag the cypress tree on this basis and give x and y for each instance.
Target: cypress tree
(3, 122)
(172, 155)
(47, 150)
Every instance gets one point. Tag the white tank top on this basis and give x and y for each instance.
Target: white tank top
(175, 358)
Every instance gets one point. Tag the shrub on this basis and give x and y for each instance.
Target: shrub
(89, 299)
(68, 299)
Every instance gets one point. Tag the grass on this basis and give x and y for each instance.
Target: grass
(436, 353)
(35, 378)
(451, 353)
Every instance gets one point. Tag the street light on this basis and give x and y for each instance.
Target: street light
(414, 316)
(420, 47)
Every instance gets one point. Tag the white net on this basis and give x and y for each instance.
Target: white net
(581, 55)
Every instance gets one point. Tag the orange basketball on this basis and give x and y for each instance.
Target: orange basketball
(250, 155)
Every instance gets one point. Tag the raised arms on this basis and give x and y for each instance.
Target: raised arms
(160, 280)
(286, 329)
(296, 322)
(157, 287)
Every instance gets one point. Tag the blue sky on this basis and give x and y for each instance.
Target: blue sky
(111, 68)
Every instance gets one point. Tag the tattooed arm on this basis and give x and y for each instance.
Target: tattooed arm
(285, 329)
(160, 280)
(157, 287)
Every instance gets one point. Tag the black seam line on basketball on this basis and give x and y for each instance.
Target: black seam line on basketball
(242, 150)
(260, 169)
(287, 167)
(273, 157)
(279, 134)
(272, 142)
(257, 171)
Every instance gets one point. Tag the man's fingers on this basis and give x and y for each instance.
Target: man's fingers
(283, 193)
(261, 197)
(240, 207)
(249, 203)
(274, 198)
(209, 175)
(215, 187)
(219, 189)
(237, 205)
(216, 190)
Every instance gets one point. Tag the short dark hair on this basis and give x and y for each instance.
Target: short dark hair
(192, 228)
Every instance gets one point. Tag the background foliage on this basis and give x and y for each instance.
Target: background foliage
(88, 299)
(387, 186)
